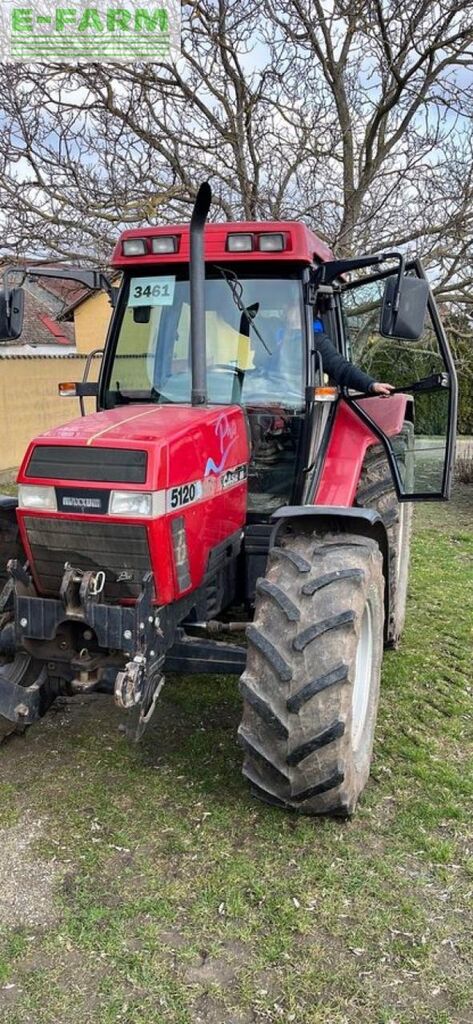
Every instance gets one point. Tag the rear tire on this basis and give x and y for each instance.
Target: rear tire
(311, 685)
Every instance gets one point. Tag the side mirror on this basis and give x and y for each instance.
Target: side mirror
(12, 308)
(404, 307)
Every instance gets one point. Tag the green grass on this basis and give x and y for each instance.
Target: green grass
(180, 899)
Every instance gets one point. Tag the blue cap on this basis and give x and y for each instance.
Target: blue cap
(318, 326)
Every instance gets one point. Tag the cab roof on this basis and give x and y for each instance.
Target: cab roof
(301, 245)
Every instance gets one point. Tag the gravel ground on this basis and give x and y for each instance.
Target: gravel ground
(26, 881)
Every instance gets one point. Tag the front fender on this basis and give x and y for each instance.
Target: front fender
(349, 440)
(363, 521)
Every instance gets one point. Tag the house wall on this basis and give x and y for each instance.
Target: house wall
(91, 320)
(29, 400)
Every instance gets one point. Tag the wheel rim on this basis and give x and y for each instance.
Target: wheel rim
(363, 670)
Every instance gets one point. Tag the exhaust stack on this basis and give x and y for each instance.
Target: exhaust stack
(197, 294)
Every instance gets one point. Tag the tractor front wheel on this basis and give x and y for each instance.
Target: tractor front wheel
(311, 684)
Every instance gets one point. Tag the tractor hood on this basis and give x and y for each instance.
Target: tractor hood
(155, 447)
(140, 488)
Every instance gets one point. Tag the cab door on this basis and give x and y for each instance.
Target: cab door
(422, 459)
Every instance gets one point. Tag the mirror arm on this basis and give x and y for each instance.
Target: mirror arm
(327, 272)
(95, 280)
(85, 379)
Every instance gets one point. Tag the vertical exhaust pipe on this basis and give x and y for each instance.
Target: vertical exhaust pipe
(197, 294)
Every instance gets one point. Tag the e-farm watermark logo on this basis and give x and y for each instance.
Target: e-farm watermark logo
(44, 30)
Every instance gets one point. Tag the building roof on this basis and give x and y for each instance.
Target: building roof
(82, 296)
(46, 299)
(40, 324)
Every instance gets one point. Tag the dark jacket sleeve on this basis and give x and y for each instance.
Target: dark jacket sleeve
(340, 369)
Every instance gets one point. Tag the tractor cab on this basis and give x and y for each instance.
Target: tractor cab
(257, 345)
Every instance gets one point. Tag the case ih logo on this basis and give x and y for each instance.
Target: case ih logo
(234, 476)
(45, 30)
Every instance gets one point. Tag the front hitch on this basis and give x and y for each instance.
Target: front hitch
(132, 646)
(140, 684)
(122, 634)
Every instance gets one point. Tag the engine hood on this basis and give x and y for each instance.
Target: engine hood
(181, 443)
(142, 423)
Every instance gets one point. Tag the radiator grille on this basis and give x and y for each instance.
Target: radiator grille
(70, 462)
(117, 549)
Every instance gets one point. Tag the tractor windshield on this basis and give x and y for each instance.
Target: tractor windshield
(254, 332)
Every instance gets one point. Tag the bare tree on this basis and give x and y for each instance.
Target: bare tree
(355, 116)
(400, 78)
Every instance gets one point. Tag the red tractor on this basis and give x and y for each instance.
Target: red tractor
(224, 485)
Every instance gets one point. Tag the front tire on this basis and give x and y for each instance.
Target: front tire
(311, 685)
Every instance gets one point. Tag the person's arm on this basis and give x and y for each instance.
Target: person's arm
(344, 373)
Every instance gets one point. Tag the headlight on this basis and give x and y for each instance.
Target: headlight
(135, 503)
(37, 496)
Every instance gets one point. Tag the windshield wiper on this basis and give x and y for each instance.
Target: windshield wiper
(236, 289)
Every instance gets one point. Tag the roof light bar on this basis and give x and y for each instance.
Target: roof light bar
(273, 241)
(164, 244)
(240, 242)
(135, 247)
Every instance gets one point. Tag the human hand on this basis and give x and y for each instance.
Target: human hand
(381, 389)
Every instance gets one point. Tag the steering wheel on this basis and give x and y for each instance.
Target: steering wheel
(224, 368)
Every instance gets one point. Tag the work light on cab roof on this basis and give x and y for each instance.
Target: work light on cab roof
(274, 240)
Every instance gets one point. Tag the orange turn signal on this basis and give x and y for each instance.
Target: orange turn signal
(67, 389)
(325, 394)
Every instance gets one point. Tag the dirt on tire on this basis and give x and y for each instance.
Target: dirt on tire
(302, 747)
